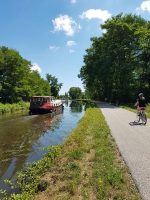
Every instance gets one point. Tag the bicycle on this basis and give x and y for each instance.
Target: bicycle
(141, 106)
(142, 116)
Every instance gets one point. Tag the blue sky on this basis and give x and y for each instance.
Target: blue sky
(54, 34)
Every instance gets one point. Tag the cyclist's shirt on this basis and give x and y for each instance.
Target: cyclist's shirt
(142, 102)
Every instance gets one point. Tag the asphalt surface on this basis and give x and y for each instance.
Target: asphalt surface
(133, 143)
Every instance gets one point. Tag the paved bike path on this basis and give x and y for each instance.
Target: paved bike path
(133, 143)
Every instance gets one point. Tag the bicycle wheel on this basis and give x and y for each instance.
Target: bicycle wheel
(138, 116)
(144, 118)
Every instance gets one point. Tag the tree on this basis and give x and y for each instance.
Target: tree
(55, 86)
(75, 93)
(38, 86)
(13, 70)
(117, 63)
(17, 80)
(142, 71)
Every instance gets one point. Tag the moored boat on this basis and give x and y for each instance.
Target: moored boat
(44, 104)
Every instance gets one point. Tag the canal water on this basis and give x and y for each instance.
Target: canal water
(23, 137)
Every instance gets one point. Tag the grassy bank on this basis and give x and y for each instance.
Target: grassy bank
(131, 107)
(87, 166)
(10, 108)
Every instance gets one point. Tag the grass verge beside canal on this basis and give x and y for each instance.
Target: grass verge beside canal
(87, 166)
(10, 108)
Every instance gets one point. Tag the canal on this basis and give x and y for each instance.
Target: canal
(23, 137)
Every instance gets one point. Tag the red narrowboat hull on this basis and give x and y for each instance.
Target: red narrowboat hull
(44, 104)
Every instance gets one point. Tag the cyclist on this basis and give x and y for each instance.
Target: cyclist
(141, 102)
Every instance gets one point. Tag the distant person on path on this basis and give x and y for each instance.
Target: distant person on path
(141, 102)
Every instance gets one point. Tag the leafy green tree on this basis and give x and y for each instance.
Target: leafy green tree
(39, 86)
(117, 66)
(142, 71)
(17, 80)
(75, 93)
(54, 85)
(13, 70)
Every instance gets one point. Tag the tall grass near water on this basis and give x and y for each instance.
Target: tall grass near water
(10, 108)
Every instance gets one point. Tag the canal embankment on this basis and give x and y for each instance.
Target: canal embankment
(24, 139)
(15, 107)
(87, 165)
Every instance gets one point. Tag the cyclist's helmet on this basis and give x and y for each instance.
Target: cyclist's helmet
(140, 95)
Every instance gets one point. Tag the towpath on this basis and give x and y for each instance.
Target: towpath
(133, 143)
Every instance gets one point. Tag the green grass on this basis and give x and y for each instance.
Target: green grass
(10, 108)
(90, 164)
(87, 165)
(28, 180)
(111, 177)
(148, 110)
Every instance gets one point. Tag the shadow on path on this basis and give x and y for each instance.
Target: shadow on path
(105, 105)
(136, 123)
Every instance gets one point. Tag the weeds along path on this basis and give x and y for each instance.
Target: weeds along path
(133, 143)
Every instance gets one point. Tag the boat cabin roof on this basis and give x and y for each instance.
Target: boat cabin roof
(42, 97)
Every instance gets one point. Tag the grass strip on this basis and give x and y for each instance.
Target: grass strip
(29, 180)
(10, 108)
(90, 166)
(87, 166)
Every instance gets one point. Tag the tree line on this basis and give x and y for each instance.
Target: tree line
(117, 64)
(19, 82)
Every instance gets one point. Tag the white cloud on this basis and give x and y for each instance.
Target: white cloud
(65, 24)
(36, 67)
(53, 48)
(73, 1)
(70, 43)
(103, 15)
(145, 6)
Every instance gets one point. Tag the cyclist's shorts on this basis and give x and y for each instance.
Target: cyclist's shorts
(141, 108)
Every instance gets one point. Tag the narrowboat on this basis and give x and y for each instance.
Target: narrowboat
(44, 104)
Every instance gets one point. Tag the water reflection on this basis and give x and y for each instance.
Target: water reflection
(66, 103)
(23, 138)
(18, 135)
(76, 106)
(88, 104)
